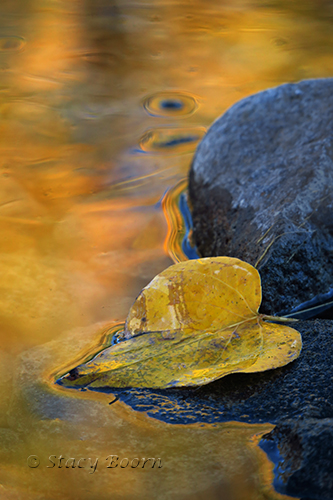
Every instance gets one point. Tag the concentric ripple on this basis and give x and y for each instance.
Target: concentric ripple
(171, 140)
(171, 103)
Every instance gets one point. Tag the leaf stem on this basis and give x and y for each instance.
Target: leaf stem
(281, 319)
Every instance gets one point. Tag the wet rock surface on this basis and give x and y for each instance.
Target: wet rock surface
(303, 453)
(297, 397)
(301, 389)
(261, 190)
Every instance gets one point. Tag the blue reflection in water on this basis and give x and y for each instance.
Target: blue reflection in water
(178, 141)
(171, 104)
(189, 250)
(281, 471)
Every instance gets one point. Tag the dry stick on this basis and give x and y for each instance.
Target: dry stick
(288, 232)
(273, 241)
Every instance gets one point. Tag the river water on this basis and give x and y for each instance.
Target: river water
(102, 104)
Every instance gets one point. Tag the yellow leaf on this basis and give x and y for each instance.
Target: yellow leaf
(197, 295)
(195, 322)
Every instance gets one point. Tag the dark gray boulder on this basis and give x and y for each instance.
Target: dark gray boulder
(303, 453)
(261, 189)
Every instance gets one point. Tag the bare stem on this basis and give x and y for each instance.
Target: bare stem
(281, 319)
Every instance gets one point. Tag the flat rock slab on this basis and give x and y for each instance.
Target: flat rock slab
(303, 453)
(261, 189)
(301, 389)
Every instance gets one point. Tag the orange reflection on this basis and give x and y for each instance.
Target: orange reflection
(176, 226)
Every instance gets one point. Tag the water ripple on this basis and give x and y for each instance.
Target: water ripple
(171, 140)
(171, 103)
(11, 43)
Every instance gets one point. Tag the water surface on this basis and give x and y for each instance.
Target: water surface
(102, 104)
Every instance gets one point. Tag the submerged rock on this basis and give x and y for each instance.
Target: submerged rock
(261, 189)
(303, 453)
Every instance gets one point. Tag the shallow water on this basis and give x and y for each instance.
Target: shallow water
(102, 104)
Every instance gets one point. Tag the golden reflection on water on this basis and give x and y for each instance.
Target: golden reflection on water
(175, 220)
(44, 422)
(82, 224)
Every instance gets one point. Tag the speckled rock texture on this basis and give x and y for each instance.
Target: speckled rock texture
(303, 453)
(261, 189)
